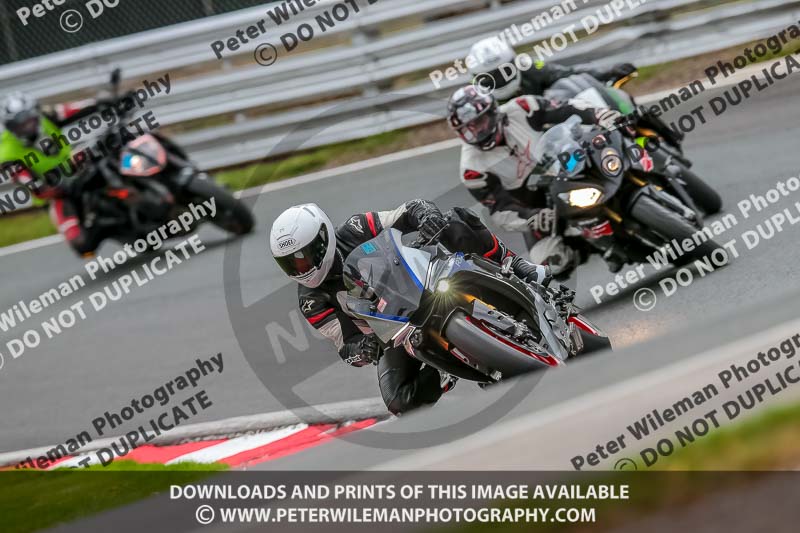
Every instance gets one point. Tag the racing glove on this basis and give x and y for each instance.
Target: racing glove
(608, 118)
(542, 221)
(531, 272)
(432, 225)
(364, 352)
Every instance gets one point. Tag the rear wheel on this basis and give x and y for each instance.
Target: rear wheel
(670, 225)
(232, 215)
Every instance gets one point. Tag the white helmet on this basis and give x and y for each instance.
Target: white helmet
(19, 114)
(488, 56)
(303, 242)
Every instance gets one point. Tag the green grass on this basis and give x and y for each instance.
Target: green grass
(766, 441)
(30, 500)
(648, 72)
(310, 161)
(29, 225)
(21, 227)
(744, 450)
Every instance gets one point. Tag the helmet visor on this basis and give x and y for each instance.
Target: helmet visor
(25, 125)
(479, 129)
(306, 259)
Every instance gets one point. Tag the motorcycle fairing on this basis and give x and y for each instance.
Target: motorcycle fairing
(144, 156)
(386, 281)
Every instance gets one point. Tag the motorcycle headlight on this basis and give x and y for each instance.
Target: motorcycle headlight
(586, 197)
(612, 165)
(443, 286)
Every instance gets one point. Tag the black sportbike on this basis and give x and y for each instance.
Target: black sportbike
(661, 141)
(461, 313)
(608, 199)
(146, 181)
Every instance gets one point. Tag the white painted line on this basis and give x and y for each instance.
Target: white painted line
(352, 167)
(322, 413)
(370, 163)
(75, 462)
(30, 245)
(231, 447)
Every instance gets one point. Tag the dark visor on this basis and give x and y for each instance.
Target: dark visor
(25, 125)
(307, 258)
(478, 129)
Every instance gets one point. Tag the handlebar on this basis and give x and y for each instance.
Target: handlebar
(419, 242)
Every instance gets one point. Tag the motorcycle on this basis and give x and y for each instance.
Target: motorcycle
(461, 313)
(148, 181)
(607, 198)
(663, 144)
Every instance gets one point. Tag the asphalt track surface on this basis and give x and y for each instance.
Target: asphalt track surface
(155, 333)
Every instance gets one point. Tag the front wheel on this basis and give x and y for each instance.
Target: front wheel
(704, 196)
(493, 350)
(232, 215)
(593, 339)
(670, 225)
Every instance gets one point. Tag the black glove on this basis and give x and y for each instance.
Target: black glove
(364, 352)
(531, 273)
(432, 225)
(621, 70)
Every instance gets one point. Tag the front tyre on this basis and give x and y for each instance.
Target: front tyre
(670, 225)
(232, 215)
(704, 196)
(491, 349)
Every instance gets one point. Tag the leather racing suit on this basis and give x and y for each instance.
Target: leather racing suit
(53, 176)
(537, 79)
(503, 178)
(404, 383)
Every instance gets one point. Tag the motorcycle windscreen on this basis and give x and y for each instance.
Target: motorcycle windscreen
(143, 156)
(388, 279)
(558, 150)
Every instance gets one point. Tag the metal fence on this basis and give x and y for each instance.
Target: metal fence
(370, 75)
(43, 35)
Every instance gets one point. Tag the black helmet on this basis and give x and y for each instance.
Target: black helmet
(20, 115)
(474, 116)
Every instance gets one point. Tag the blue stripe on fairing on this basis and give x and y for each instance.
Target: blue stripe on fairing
(394, 318)
(417, 282)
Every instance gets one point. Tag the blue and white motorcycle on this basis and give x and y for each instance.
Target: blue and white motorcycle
(462, 314)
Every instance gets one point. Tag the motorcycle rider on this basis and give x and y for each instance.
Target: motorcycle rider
(311, 251)
(30, 136)
(498, 169)
(490, 54)
(494, 57)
